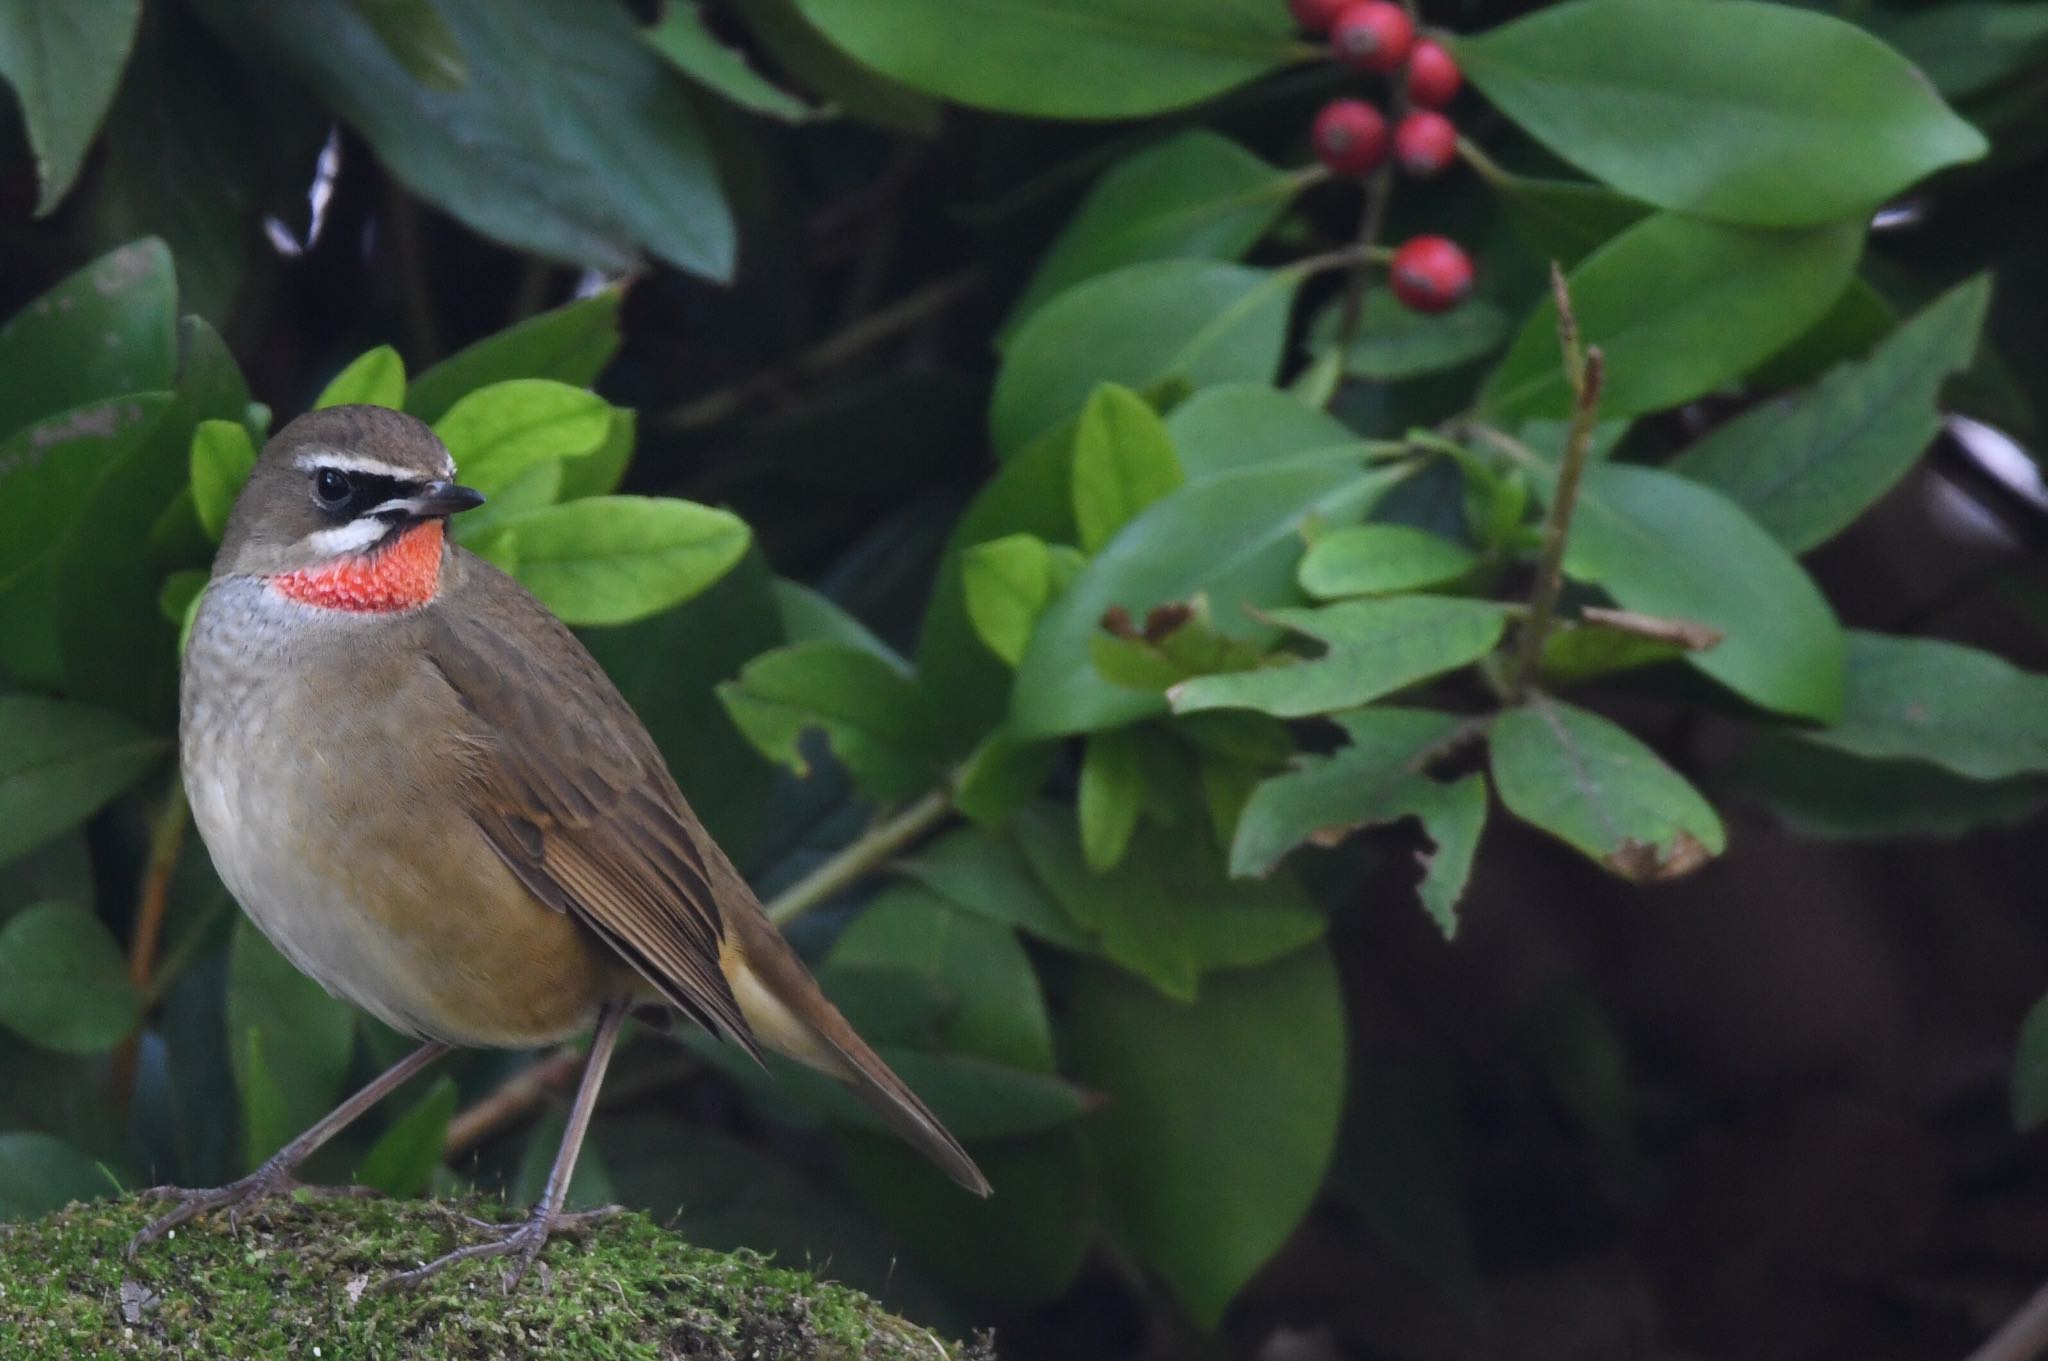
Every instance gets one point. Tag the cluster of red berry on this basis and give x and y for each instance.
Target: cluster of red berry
(1428, 273)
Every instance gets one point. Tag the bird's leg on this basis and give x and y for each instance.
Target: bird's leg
(275, 1176)
(523, 1241)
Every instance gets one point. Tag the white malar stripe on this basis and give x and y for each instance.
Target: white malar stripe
(363, 463)
(353, 537)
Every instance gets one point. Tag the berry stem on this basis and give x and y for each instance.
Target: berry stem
(1365, 251)
(1484, 165)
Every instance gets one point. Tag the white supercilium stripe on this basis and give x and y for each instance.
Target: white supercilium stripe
(363, 463)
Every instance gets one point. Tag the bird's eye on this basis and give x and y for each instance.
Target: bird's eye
(331, 486)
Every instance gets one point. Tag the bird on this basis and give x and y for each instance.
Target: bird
(428, 795)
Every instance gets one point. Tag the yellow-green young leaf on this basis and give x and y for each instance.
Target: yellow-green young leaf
(1373, 648)
(1008, 582)
(598, 472)
(1596, 788)
(1380, 560)
(1111, 792)
(289, 1044)
(373, 378)
(222, 455)
(63, 980)
(58, 763)
(570, 344)
(539, 486)
(498, 432)
(614, 559)
(876, 720)
(1123, 462)
(402, 1161)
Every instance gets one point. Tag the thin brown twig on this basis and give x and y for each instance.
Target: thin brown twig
(166, 840)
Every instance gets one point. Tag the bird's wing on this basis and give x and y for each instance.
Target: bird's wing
(573, 795)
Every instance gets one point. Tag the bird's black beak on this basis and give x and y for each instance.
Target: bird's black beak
(434, 501)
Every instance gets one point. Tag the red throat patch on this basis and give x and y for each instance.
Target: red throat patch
(402, 575)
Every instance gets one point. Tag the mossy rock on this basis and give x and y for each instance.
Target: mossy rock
(297, 1278)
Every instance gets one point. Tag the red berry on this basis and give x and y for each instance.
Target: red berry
(1433, 75)
(1430, 274)
(1316, 15)
(1373, 35)
(1426, 142)
(1350, 136)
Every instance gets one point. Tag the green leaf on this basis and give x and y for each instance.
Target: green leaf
(615, 559)
(1173, 643)
(58, 763)
(413, 32)
(1663, 545)
(1969, 46)
(1008, 582)
(686, 41)
(809, 616)
(980, 874)
(1395, 343)
(1196, 196)
(64, 982)
(40, 1174)
(1062, 58)
(1169, 554)
(1806, 469)
(570, 344)
(1232, 426)
(1123, 462)
(1374, 647)
(1379, 560)
(64, 61)
(1763, 114)
(1828, 795)
(1859, 319)
(107, 330)
(878, 723)
(402, 1161)
(843, 84)
(1564, 220)
(2029, 1071)
(1000, 776)
(222, 456)
(50, 471)
(1112, 791)
(1679, 306)
(994, 1009)
(1593, 786)
(571, 139)
(1952, 706)
(1222, 1115)
(288, 1040)
(373, 378)
(497, 433)
(1197, 321)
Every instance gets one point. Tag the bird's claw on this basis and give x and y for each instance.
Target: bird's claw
(266, 1182)
(523, 1242)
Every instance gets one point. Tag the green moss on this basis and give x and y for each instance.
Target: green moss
(298, 1278)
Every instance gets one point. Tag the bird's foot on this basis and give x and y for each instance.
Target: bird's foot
(522, 1242)
(267, 1182)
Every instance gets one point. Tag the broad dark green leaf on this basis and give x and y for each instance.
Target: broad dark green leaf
(980, 874)
(402, 1161)
(373, 378)
(1379, 559)
(571, 139)
(64, 60)
(107, 330)
(1373, 648)
(1824, 794)
(50, 471)
(63, 980)
(1850, 330)
(835, 79)
(58, 763)
(1967, 46)
(1806, 469)
(1123, 462)
(1394, 342)
(1197, 321)
(683, 38)
(1923, 699)
(1663, 545)
(877, 721)
(1230, 426)
(1170, 553)
(1564, 220)
(289, 1043)
(1764, 114)
(1680, 306)
(415, 34)
(1110, 795)
(810, 616)
(59, 870)
(2029, 1071)
(222, 457)
(1221, 1118)
(40, 1173)
(615, 559)
(1062, 58)
(1598, 789)
(1197, 196)
(1000, 776)
(570, 344)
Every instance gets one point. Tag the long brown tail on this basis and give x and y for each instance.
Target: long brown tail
(789, 1013)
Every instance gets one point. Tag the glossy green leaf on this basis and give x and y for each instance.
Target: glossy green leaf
(1850, 329)
(1008, 582)
(2029, 1071)
(1373, 648)
(1764, 114)
(1196, 196)
(222, 456)
(1170, 645)
(64, 61)
(682, 37)
(64, 981)
(981, 874)
(1168, 554)
(1222, 1115)
(106, 330)
(1394, 342)
(1380, 559)
(1564, 220)
(288, 1040)
(1596, 788)
(1123, 462)
(1663, 545)
(614, 559)
(1197, 321)
(1823, 794)
(497, 433)
(1000, 776)
(1111, 794)
(1806, 469)
(810, 616)
(1231, 426)
(40, 1174)
(373, 378)
(1679, 306)
(877, 722)
(402, 1161)
(835, 79)
(58, 763)
(570, 344)
(1062, 58)
(1967, 46)
(50, 472)
(413, 32)
(1924, 699)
